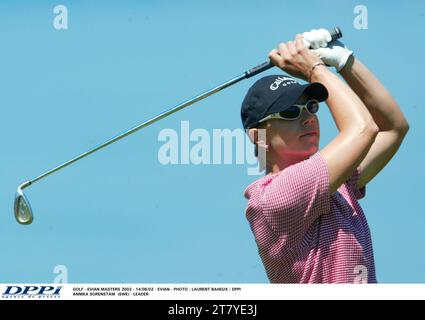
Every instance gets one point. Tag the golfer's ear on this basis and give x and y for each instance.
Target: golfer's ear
(253, 135)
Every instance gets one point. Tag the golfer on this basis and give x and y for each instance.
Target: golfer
(308, 224)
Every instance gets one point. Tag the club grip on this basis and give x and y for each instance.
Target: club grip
(258, 69)
(335, 33)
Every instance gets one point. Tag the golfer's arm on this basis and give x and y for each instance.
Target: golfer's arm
(357, 128)
(393, 127)
(381, 105)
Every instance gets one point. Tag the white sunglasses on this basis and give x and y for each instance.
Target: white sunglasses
(294, 111)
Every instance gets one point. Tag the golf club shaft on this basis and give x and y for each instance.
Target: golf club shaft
(335, 34)
(142, 125)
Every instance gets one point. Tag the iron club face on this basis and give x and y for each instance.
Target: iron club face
(23, 212)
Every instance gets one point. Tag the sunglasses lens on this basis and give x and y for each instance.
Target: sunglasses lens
(313, 106)
(290, 113)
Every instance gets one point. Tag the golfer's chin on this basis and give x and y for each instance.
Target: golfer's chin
(310, 148)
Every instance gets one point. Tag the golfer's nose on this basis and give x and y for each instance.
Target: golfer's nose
(307, 118)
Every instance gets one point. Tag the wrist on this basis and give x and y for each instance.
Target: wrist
(316, 70)
(347, 66)
(344, 61)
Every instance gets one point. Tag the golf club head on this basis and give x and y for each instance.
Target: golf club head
(22, 208)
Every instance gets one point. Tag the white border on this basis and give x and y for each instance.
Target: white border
(218, 292)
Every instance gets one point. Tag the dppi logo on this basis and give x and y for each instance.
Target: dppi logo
(31, 291)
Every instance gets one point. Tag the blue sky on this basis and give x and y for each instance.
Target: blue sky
(120, 215)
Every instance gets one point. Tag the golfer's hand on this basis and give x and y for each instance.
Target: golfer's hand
(333, 53)
(336, 54)
(294, 58)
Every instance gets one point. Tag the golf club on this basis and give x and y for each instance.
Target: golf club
(22, 208)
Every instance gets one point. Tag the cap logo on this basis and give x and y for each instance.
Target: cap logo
(281, 80)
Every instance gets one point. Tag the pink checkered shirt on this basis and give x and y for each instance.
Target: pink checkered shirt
(306, 235)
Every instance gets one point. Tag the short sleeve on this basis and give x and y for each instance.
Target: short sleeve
(359, 193)
(296, 197)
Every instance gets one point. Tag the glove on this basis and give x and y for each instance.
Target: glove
(336, 54)
(317, 38)
(333, 53)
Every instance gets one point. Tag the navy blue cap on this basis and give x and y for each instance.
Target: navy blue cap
(274, 94)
